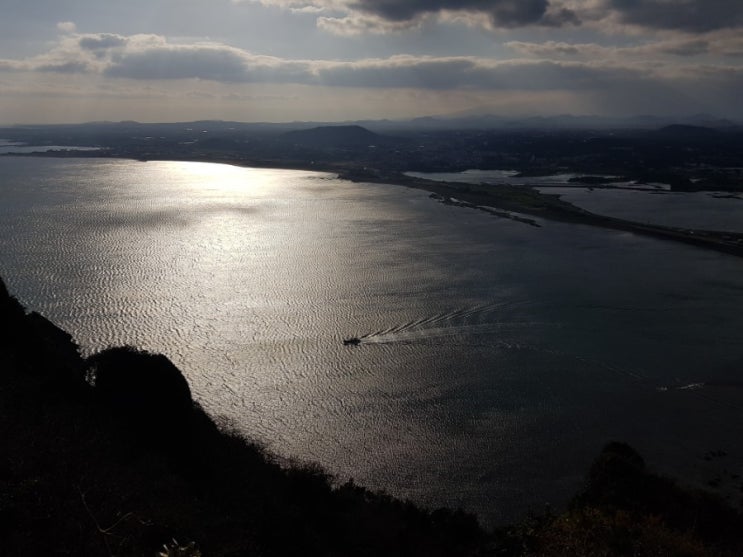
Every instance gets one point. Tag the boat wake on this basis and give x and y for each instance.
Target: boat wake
(489, 324)
(458, 325)
(448, 332)
(477, 320)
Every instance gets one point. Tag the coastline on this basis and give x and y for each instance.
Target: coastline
(529, 201)
(188, 531)
(501, 201)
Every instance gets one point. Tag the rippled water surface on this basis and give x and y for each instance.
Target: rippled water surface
(704, 210)
(495, 360)
(646, 203)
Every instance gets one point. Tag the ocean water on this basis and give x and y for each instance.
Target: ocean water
(703, 210)
(646, 203)
(496, 358)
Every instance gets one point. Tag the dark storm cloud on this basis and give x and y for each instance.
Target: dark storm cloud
(502, 13)
(560, 17)
(697, 16)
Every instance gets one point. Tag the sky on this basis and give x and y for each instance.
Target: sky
(335, 60)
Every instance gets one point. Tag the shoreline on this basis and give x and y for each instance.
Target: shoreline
(500, 201)
(529, 201)
(197, 523)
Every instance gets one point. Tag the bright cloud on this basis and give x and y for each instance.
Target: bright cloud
(67, 26)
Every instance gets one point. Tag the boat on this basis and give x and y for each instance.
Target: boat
(353, 341)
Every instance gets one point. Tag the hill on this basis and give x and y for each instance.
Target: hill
(688, 132)
(129, 463)
(334, 137)
(109, 455)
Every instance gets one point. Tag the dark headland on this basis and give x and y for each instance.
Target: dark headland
(110, 455)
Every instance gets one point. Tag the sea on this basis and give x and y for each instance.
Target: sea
(495, 360)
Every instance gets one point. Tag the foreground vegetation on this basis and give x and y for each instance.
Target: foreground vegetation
(110, 456)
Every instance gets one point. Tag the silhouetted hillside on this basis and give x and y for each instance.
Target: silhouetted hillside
(109, 455)
(335, 137)
(686, 132)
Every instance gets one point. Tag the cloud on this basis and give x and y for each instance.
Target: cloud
(353, 17)
(10, 66)
(153, 58)
(553, 49)
(464, 73)
(226, 64)
(82, 53)
(505, 13)
(102, 41)
(693, 16)
(727, 43)
(66, 26)
(686, 47)
(356, 24)
(70, 67)
(211, 63)
(381, 16)
(307, 10)
(649, 76)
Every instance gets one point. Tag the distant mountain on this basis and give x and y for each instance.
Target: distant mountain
(687, 130)
(334, 137)
(484, 121)
(361, 133)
